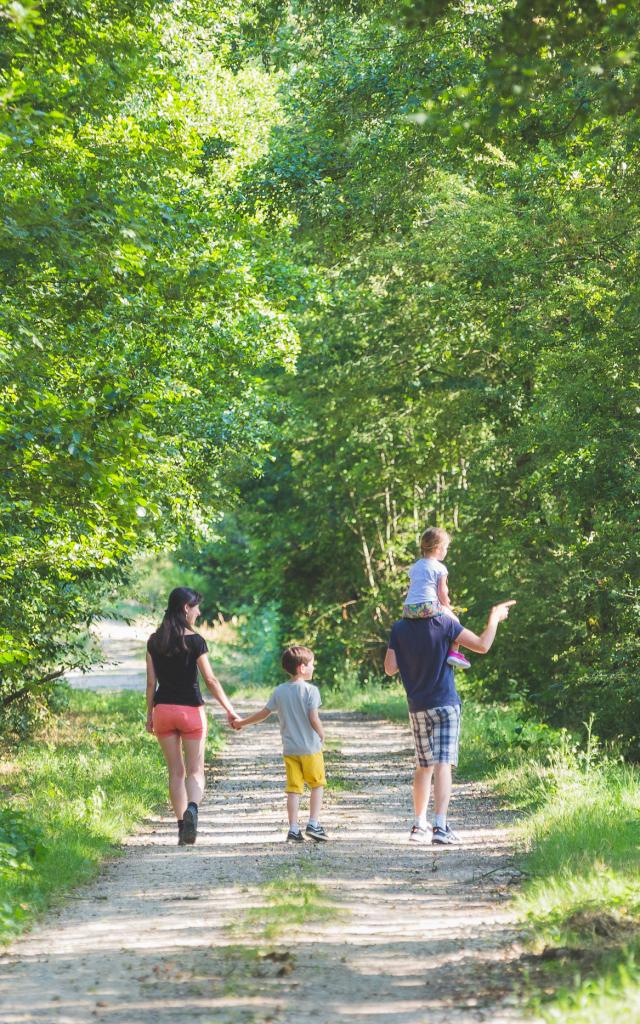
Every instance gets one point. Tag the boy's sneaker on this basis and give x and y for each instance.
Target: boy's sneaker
(317, 832)
(295, 837)
(457, 660)
(419, 835)
(444, 836)
(190, 825)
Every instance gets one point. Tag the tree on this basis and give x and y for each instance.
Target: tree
(464, 187)
(139, 307)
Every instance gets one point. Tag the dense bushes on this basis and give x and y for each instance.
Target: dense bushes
(468, 203)
(442, 202)
(137, 305)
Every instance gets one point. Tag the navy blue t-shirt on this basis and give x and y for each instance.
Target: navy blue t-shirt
(421, 647)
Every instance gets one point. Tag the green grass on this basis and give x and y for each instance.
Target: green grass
(579, 837)
(240, 691)
(67, 799)
(372, 698)
(288, 902)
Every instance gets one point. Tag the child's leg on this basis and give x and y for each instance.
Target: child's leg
(313, 767)
(458, 660)
(293, 808)
(294, 789)
(449, 613)
(315, 803)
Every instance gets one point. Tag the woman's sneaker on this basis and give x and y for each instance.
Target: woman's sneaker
(444, 836)
(457, 660)
(295, 836)
(181, 833)
(316, 832)
(190, 825)
(419, 835)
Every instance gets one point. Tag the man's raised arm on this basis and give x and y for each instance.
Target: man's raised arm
(482, 644)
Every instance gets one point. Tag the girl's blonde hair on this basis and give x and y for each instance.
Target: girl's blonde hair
(431, 540)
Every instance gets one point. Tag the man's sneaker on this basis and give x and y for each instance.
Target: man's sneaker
(444, 836)
(190, 825)
(457, 660)
(181, 833)
(419, 835)
(316, 832)
(295, 837)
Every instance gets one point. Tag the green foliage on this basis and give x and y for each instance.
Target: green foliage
(139, 309)
(468, 340)
(20, 718)
(441, 201)
(21, 844)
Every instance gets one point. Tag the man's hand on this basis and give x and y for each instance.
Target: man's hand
(236, 723)
(481, 644)
(501, 611)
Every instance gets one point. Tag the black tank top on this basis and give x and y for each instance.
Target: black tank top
(177, 674)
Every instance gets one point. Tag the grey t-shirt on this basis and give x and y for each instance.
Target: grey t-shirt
(292, 702)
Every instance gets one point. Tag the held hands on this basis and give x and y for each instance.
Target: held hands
(501, 611)
(233, 719)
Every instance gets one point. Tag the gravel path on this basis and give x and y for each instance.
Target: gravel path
(408, 934)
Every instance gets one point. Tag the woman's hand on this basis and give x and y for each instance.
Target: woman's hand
(149, 726)
(232, 717)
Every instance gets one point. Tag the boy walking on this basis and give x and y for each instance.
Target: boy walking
(296, 704)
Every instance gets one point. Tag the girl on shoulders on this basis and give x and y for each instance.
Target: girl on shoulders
(428, 593)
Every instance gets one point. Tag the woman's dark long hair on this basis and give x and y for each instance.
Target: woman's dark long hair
(169, 637)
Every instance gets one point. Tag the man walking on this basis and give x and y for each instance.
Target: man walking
(418, 649)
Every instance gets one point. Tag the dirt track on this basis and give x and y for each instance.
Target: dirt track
(412, 934)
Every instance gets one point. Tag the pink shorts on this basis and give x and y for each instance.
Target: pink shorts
(179, 720)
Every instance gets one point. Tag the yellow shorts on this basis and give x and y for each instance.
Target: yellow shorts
(303, 768)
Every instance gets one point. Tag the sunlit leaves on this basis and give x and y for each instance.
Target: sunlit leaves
(139, 307)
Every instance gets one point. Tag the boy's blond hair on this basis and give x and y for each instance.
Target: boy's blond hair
(431, 540)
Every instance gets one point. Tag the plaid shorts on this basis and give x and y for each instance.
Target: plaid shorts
(436, 734)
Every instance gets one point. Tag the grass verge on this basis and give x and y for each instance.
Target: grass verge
(581, 834)
(69, 797)
(579, 837)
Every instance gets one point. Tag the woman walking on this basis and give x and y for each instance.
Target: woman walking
(175, 712)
